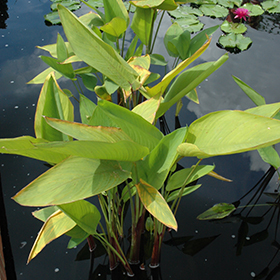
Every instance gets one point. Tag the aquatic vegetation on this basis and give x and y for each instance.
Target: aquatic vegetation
(116, 153)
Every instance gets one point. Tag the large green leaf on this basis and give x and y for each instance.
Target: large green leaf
(83, 213)
(52, 102)
(115, 8)
(171, 37)
(156, 166)
(137, 128)
(86, 108)
(81, 131)
(73, 179)
(156, 205)
(122, 150)
(95, 52)
(55, 226)
(267, 110)
(142, 23)
(270, 156)
(25, 146)
(229, 132)
(187, 81)
(148, 108)
(64, 69)
(116, 27)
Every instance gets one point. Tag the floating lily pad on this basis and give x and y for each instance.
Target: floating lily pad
(255, 10)
(96, 3)
(190, 23)
(214, 10)
(232, 27)
(201, 2)
(183, 11)
(226, 3)
(271, 6)
(52, 17)
(70, 5)
(235, 41)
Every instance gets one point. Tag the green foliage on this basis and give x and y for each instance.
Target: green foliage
(117, 153)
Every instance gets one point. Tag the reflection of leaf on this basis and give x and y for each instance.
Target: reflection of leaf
(176, 241)
(242, 234)
(262, 274)
(100, 272)
(194, 246)
(257, 237)
(253, 220)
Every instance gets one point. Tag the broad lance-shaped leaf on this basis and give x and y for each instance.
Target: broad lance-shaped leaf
(156, 205)
(95, 52)
(73, 179)
(155, 167)
(52, 102)
(121, 150)
(137, 128)
(188, 81)
(83, 213)
(88, 132)
(141, 24)
(25, 146)
(55, 226)
(229, 132)
(161, 87)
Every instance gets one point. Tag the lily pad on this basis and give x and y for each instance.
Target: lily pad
(183, 11)
(70, 5)
(255, 10)
(52, 18)
(232, 27)
(271, 6)
(190, 23)
(226, 3)
(235, 41)
(214, 10)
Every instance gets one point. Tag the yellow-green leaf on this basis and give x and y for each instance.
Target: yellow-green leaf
(156, 205)
(55, 226)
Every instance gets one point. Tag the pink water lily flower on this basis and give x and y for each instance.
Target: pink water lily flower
(241, 13)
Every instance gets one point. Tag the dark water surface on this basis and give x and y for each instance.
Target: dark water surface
(259, 67)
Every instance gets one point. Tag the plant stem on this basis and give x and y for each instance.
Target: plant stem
(155, 37)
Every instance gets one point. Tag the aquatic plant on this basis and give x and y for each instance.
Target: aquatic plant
(116, 153)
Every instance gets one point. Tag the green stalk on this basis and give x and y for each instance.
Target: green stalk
(148, 47)
(155, 37)
(182, 190)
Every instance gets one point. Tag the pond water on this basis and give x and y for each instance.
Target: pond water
(221, 259)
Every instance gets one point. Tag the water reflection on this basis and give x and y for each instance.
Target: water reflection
(3, 13)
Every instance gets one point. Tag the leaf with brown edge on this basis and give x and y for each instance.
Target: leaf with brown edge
(156, 205)
(56, 225)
